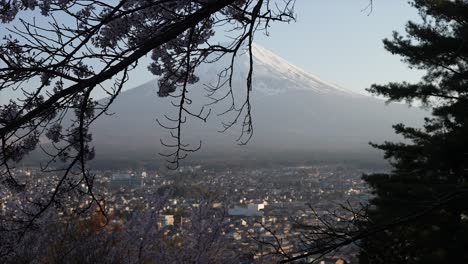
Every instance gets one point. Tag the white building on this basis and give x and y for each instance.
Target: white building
(165, 220)
(251, 210)
(256, 207)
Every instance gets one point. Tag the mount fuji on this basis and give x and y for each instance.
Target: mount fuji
(293, 111)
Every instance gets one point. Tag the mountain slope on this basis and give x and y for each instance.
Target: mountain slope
(292, 110)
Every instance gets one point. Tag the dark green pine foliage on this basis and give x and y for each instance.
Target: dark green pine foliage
(423, 202)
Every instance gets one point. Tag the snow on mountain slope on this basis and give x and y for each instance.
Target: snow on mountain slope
(272, 74)
(277, 69)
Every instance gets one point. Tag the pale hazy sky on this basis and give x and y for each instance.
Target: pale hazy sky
(335, 40)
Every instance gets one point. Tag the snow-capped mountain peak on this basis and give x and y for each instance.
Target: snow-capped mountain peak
(284, 75)
(272, 74)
